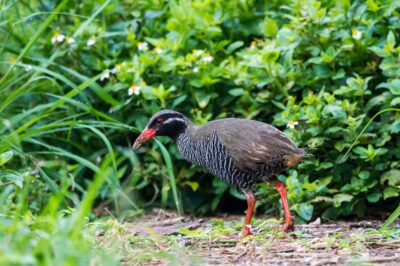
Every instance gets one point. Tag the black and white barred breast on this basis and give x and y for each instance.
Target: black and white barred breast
(208, 152)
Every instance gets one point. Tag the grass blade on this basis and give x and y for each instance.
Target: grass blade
(86, 23)
(64, 153)
(392, 217)
(78, 220)
(171, 175)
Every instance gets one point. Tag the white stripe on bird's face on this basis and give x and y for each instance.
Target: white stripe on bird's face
(172, 119)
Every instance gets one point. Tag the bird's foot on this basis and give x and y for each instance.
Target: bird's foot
(246, 231)
(288, 227)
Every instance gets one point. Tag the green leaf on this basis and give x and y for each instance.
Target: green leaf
(379, 51)
(5, 157)
(395, 127)
(341, 197)
(392, 176)
(395, 101)
(322, 199)
(329, 55)
(236, 194)
(334, 111)
(363, 174)
(305, 211)
(390, 42)
(325, 165)
(13, 177)
(233, 46)
(270, 27)
(394, 86)
(193, 185)
(390, 192)
(332, 213)
(202, 98)
(286, 37)
(178, 101)
(374, 197)
(361, 151)
(372, 5)
(236, 92)
(315, 142)
(271, 56)
(375, 101)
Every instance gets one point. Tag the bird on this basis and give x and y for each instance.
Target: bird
(241, 152)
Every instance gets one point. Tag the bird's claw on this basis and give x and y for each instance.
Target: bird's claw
(287, 228)
(246, 231)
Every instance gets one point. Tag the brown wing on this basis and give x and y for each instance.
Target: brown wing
(250, 143)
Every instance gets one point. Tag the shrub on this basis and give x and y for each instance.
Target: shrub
(328, 65)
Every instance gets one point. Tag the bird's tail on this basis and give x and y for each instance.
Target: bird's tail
(293, 159)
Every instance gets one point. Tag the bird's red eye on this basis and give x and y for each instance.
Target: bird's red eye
(159, 121)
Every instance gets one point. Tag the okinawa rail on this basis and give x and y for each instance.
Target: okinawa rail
(240, 152)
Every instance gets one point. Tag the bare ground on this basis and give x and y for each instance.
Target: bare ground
(167, 239)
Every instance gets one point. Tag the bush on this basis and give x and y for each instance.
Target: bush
(101, 66)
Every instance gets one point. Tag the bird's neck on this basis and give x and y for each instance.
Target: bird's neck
(182, 130)
(187, 144)
(186, 134)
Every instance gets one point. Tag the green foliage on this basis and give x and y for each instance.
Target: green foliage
(56, 236)
(76, 78)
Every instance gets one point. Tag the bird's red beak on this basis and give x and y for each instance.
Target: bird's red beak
(147, 134)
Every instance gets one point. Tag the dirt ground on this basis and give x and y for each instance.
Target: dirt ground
(168, 239)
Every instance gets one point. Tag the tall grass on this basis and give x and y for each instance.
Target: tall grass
(49, 181)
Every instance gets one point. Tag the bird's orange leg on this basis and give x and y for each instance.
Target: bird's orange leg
(289, 223)
(251, 201)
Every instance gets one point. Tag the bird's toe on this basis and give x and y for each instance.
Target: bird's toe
(288, 227)
(245, 232)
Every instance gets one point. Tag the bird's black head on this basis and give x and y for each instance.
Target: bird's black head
(163, 123)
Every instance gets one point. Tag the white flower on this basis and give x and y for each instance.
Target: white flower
(143, 46)
(57, 37)
(91, 41)
(207, 58)
(134, 89)
(6, 123)
(70, 40)
(105, 75)
(196, 69)
(197, 52)
(112, 109)
(28, 68)
(356, 34)
(158, 50)
(253, 45)
(117, 68)
(292, 124)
